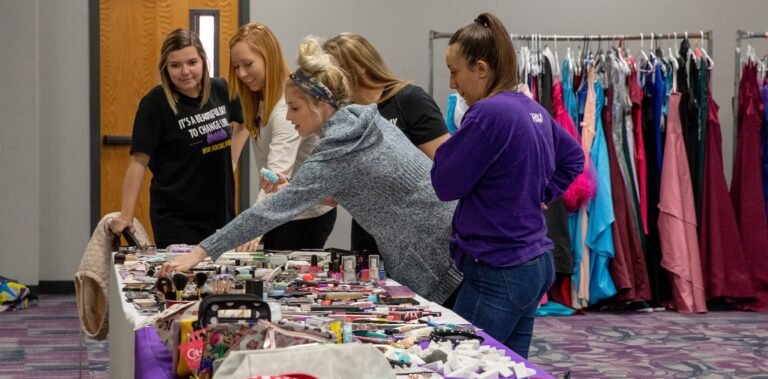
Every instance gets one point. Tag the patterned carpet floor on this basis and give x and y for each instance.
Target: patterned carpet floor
(653, 345)
(43, 342)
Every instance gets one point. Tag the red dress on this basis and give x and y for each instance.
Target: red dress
(746, 188)
(636, 96)
(628, 268)
(677, 219)
(723, 262)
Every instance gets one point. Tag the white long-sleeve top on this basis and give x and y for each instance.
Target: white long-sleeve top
(281, 149)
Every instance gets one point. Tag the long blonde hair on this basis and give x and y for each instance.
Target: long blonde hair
(177, 40)
(353, 52)
(261, 41)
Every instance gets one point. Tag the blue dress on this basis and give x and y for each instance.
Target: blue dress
(569, 99)
(600, 211)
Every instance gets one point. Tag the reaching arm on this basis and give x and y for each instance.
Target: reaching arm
(239, 138)
(430, 148)
(462, 160)
(309, 187)
(283, 146)
(134, 178)
(569, 162)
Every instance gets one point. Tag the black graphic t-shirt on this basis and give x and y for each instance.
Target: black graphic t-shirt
(415, 113)
(192, 190)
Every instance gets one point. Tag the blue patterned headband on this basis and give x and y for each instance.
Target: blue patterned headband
(314, 88)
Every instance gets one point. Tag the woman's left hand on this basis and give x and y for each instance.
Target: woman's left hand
(249, 246)
(184, 262)
(270, 187)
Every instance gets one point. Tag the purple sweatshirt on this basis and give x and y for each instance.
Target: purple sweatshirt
(507, 159)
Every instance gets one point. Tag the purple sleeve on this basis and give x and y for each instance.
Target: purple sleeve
(569, 162)
(462, 160)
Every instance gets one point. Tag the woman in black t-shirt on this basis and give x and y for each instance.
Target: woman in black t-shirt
(405, 105)
(182, 133)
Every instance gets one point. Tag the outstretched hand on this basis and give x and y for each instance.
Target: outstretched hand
(184, 262)
(249, 246)
(270, 187)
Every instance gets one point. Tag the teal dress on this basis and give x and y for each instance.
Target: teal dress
(600, 211)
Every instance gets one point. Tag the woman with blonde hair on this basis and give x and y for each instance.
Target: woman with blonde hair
(182, 133)
(405, 105)
(366, 165)
(257, 73)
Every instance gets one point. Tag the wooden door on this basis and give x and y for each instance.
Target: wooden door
(130, 35)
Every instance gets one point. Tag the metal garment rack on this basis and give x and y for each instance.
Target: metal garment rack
(702, 35)
(740, 36)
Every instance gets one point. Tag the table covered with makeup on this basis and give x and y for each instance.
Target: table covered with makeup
(298, 314)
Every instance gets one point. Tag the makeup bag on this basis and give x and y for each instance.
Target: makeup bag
(344, 361)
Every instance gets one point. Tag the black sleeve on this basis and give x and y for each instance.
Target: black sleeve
(423, 120)
(233, 106)
(147, 127)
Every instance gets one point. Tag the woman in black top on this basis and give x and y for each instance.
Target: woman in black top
(182, 133)
(405, 105)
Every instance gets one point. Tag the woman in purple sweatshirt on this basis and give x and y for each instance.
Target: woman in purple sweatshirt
(508, 160)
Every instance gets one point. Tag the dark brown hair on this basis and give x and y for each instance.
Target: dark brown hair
(487, 39)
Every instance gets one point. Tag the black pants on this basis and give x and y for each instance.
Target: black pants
(360, 239)
(310, 233)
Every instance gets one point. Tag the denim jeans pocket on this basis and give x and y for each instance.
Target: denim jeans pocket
(524, 283)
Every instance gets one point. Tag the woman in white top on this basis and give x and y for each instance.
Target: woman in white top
(257, 73)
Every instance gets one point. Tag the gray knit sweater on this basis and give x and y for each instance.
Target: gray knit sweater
(370, 168)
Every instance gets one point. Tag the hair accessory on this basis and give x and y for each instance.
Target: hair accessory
(481, 22)
(314, 88)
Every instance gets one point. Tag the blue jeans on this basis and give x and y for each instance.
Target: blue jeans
(503, 300)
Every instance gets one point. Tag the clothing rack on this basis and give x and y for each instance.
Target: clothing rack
(740, 36)
(702, 35)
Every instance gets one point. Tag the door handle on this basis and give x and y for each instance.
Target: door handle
(116, 140)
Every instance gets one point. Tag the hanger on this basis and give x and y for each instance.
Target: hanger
(763, 68)
(557, 59)
(709, 62)
(673, 56)
(535, 56)
(552, 58)
(599, 56)
(642, 47)
(579, 57)
(524, 68)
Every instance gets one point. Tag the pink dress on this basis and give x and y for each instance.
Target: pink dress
(677, 220)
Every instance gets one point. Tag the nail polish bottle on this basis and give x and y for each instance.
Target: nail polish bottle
(313, 267)
(373, 267)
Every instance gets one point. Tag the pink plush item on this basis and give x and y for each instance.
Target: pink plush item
(582, 189)
(584, 186)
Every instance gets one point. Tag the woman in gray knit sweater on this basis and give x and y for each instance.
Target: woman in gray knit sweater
(369, 167)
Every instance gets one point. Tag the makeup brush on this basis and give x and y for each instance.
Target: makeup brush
(165, 286)
(200, 279)
(179, 282)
